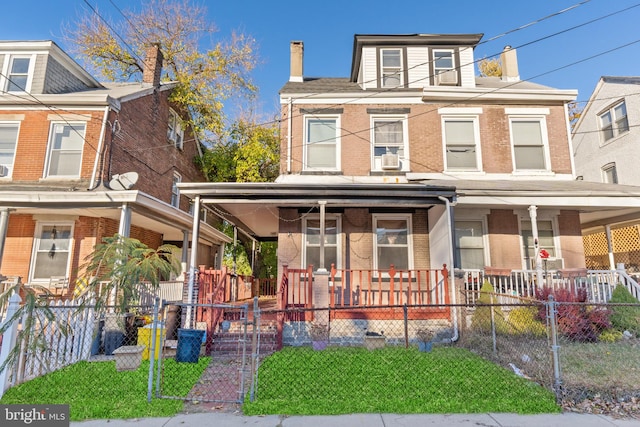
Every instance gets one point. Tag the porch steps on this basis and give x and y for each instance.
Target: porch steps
(231, 343)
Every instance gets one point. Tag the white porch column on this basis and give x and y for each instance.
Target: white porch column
(322, 268)
(195, 235)
(533, 215)
(607, 231)
(124, 227)
(185, 254)
(4, 227)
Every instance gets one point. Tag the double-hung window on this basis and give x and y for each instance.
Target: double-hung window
(51, 250)
(392, 241)
(18, 73)
(321, 143)
(66, 141)
(444, 67)
(8, 141)
(469, 245)
(529, 143)
(609, 173)
(175, 191)
(331, 245)
(392, 74)
(614, 121)
(461, 136)
(175, 133)
(546, 241)
(389, 136)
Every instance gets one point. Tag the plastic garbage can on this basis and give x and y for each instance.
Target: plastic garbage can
(145, 338)
(189, 342)
(112, 340)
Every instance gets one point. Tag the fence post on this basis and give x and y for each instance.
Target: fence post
(552, 316)
(152, 350)
(405, 312)
(8, 341)
(493, 325)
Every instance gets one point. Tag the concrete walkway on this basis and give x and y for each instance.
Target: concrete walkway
(370, 420)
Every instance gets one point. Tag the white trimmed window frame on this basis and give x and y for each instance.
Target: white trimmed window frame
(376, 218)
(7, 73)
(53, 130)
(474, 118)
(387, 70)
(481, 216)
(335, 142)
(175, 191)
(328, 244)
(437, 70)
(376, 160)
(618, 124)
(530, 115)
(548, 216)
(5, 151)
(42, 249)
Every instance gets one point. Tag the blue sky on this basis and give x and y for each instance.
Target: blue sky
(327, 29)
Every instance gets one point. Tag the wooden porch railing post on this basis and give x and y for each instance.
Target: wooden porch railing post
(332, 287)
(445, 284)
(392, 273)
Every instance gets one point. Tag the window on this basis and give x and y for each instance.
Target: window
(65, 149)
(529, 139)
(392, 242)
(391, 60)
(175, 191)
(469, 241)
(614, 122)
(175, 133)
(609, 173)
(52, 249)
(331, 242)
(442, 61)
(389, 139)
(321, 143)
(461, 150)
(546, 241)
(18, 73)
(8, 141)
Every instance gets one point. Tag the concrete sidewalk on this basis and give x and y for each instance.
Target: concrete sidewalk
(369, 420)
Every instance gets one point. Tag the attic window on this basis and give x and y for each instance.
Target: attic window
(391, 60)
(175, 132)
(18, 74)
(614, 121)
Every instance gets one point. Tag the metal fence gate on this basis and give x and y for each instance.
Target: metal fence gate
(200, 352)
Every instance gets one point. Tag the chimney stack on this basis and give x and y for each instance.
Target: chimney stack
(153, 65)
(297, 54)
(509, 62)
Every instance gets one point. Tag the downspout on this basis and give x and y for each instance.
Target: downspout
(99, 154)
(456, 334)
(289, 110)
(195, 236)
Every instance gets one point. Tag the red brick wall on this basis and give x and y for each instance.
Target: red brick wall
(504, 239)
(571, 241)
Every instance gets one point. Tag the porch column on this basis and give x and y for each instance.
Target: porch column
(323, 204)
(185, 254)
(4, 227)
(195, 235)
(320, 289)
(124, 227)
(607, 231)
(533, 215)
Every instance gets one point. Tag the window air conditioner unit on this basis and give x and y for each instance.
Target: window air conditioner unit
(390, 161)
(552, 264)
(4, 171)
(449, 77)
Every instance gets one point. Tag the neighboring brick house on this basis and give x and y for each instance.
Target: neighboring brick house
(605, 143)
(415, 162)
(71, 149)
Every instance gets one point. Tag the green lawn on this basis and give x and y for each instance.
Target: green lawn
(96, 390)
(300, 381)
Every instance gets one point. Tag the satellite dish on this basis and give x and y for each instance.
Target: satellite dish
(123, 181)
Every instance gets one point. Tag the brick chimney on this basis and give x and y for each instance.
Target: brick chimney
(297, 54)
(152, 65)
(509, 62)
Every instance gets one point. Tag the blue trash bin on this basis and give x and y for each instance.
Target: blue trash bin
(189, 342)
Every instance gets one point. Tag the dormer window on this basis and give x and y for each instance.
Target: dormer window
(17, 71)
(391, 60)
(444, 68)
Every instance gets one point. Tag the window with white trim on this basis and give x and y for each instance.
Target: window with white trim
(18, 71)
(311, 241)
(51, 250)
(175, 191)
(8, 142)
(175, 131)
(391, 61)
(614, 121)
(321, 143)
(442, 61)
(66, 141)
(529, 143)
(389, 136)
(609, 173)
(546, 241)
(469, 245)
(392, 242)
(461, 140)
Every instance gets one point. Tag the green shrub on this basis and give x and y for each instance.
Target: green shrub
(625, 318)
(522, 321)
(610, 335)
(481, 319)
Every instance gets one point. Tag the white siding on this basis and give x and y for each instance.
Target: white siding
(370, 76)
(467, 67)
(418, 65)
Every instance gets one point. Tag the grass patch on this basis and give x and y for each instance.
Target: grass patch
(95, 390)
(300, 381)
